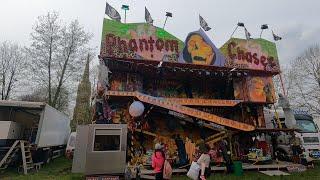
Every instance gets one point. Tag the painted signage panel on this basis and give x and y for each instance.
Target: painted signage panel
(138, 41)
(199, 49)
(255, 89)
(255, 54)
(143, 41)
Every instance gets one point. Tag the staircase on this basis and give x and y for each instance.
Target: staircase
(27, 162)
(24, 148)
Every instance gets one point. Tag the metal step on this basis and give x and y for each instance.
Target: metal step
(30, 167)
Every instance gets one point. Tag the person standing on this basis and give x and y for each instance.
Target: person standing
(158, 159)
(204, 162)
(296, 148)
(223, 148)
(181, 150)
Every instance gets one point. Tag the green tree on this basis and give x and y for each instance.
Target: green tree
(81, 113)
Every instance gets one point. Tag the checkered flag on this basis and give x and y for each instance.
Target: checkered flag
(204, 24)
(276, 37)
(112, 12)
(147, 16)
(248, 35)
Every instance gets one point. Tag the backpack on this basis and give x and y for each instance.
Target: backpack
(167, 170)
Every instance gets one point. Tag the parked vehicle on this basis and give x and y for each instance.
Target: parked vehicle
(31, 132)
(307, 131)
(71, 145)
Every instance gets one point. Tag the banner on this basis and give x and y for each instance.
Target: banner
(255, 54)
(138, 41)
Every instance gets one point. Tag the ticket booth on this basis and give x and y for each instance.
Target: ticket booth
(100, 149)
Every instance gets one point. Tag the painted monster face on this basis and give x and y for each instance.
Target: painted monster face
(258, 93)
(200, 51)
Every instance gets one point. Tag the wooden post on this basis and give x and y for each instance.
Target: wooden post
(23, 153)
(230, 141)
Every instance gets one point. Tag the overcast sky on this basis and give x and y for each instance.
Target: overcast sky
(297, 21)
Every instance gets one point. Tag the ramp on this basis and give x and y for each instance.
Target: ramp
(11, 153)
(274, 173)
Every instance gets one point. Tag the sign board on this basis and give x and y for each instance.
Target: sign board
(254, 54)
(138, 41)
(143, 41)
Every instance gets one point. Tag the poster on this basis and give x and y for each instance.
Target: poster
(255, 89)
(138, 41)
(254, 54)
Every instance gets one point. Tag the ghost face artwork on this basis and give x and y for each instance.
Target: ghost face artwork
(257, 93)
(198, 51)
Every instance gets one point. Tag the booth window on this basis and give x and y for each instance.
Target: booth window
(106, 141)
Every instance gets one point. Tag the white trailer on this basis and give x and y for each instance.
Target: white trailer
(33, 127)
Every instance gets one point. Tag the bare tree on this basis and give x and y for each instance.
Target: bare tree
(40, 95)
(11, 68)
(287, 83)
(304, 77)
(56, 54)
(43, 50)
(73, 41)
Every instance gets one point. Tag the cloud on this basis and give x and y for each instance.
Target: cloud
(296, 38)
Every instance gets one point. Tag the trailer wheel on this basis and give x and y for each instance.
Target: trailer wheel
(47, 156)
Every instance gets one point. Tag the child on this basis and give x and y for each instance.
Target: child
(158, 159)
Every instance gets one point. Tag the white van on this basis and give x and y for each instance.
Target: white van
(71, 145)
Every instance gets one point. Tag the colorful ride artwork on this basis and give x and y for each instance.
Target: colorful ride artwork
(142, 41)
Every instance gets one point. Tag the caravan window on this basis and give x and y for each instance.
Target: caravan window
(107, 140)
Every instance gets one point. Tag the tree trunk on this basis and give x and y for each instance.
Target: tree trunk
(3, 86)
(9, 86)
(49, 71)
(57, 93)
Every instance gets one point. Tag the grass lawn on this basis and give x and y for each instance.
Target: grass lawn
(60, 169)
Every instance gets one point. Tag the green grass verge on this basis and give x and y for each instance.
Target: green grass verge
(60, 169)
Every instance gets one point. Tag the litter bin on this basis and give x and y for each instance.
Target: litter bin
(237, 168)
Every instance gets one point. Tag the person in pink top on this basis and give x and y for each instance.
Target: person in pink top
(158, 159)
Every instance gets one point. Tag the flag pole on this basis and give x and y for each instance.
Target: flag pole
(165, 22)
(282, 85)
(234, 31)
(239, 24)
(261, 33)
(125, 8)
